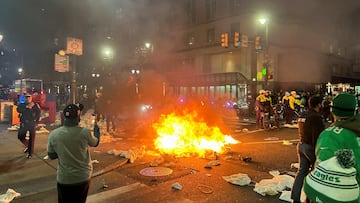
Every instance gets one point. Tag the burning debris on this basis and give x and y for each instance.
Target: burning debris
(186, 135)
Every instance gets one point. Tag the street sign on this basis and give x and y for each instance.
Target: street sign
(74, 46)
(61, 63)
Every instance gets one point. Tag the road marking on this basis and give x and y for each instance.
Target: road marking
(99, 197)
(268, 142)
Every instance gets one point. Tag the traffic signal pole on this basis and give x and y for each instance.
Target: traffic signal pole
(266, 64)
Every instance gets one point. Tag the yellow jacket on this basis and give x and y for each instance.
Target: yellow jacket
(293, 101)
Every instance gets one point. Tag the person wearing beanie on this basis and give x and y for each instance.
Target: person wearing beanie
(336, 176)
(70, 145)
(310, 126)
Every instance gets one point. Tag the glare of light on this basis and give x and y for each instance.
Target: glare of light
(1, 37)
(20, 70)
(61, 53)
(95, 75)
(135, 71)
(262, 21)
(107, 53)
(147, 45)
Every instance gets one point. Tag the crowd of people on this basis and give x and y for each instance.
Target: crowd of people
(292, 103)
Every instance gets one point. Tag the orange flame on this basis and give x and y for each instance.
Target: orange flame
(184, 136)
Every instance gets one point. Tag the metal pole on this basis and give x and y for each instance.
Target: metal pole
(73, 83)
(266, 53)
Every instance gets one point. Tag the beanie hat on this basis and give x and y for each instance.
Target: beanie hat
(71, 111)
(344, 105)
(334, 180)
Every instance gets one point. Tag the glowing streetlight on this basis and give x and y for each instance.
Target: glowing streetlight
(264, 21)
(20, 70)
(107, 53)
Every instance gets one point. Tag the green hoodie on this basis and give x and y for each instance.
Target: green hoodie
(343, 135)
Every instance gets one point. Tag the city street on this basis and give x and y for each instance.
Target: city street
(258, 153)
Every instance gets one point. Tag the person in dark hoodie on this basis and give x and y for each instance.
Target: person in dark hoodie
(327, 183)
(310, 126)
(70, 145)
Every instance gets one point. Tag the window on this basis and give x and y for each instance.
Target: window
(189, 39)
(210, 6)
(235, 6)
(211, 35)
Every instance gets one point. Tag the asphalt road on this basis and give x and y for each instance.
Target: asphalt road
(258, 153)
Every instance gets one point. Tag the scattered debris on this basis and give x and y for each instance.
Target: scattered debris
(286, 196)
(275, 185)
(42, 130)
(9, 196)
(238, 179)
(245, 159)
(212, 163)
(228, 157)
(95, 161)
(13, 128)
(294, 165)
(244, 130)
(158, 160)
(177, 186)
(295, 125)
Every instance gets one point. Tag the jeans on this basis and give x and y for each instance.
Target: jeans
(22, 136)
(306, 158)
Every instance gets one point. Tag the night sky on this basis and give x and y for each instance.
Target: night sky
(37, 29)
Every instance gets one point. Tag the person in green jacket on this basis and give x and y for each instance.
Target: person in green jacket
(336, 177)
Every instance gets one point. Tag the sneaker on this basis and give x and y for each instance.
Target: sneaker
(26, 150)
(29, 156)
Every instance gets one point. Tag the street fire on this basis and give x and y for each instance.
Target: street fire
(186, 135)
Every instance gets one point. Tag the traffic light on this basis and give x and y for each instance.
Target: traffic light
(237, 41)
(264, 71)
(225, 40)
(258, 43)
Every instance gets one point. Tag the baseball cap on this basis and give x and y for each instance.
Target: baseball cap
(71, 111)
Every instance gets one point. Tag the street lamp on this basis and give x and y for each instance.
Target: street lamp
(265, 22)
(107, 53)
(21, 72)
(136, 72)
(266, 62)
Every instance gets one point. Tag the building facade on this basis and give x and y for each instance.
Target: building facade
(300, 49)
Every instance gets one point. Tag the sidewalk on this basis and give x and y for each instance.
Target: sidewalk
(25, 176)
(35, 178)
